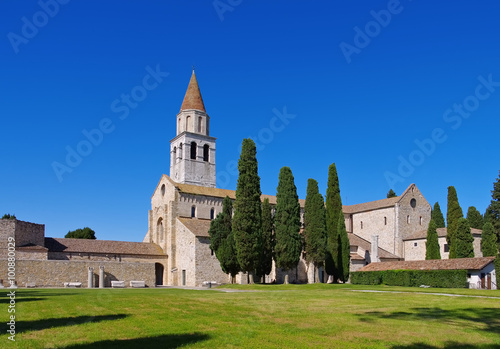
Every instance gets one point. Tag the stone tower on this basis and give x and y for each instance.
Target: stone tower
(192, 151)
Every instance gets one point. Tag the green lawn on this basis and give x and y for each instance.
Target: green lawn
(266, 316)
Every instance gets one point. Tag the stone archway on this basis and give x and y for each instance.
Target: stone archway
(159, 272)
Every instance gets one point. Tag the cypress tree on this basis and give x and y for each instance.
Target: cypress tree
(432, 243)
(247, 220)
(315, 227)
(266, 262)
(227, 257)
(492, 214)
(344, 254)
(453, 214)
(391, 194)
(489, 245)
(464, 240)
(333, 211)
(287, 223)
(437, 216)
(475, 218)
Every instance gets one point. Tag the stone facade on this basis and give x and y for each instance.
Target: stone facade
(24, 233)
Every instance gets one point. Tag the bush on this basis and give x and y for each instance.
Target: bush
(412, 278)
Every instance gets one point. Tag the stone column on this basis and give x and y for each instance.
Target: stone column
(101, 276)
(91, 278)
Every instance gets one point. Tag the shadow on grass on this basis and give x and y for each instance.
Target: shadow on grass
(448, 345)
(36, 325)
(165, 341)
(488, 319)
(5, 300)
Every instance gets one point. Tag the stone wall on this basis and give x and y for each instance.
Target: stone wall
(185, 260)
(51, 273)
(414, 250)
(376, 222)
(207, 265)
(23, 232)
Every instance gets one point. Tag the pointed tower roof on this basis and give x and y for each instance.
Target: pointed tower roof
(192, 99)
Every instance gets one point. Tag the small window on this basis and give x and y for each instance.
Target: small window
(199, 124)
(188, 118)
(193, 212)
(415, 244)
(385, 220)
(212, 213)
(446, 248)
(421, 220)
(179, 125)
(193, 150)
(206, 151)
(163, 190)
(408, 219)
(211, 252)
(361, 224)
(180, 151)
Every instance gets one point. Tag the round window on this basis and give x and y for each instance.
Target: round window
(413, 203)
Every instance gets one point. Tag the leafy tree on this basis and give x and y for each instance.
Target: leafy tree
(475, 218)
(437, 216)
(315, 227)
(85, 233)
(464, 240)
(497, 267)
(344, 254)
(287, 220)
(453, 214)
(493, 212)
(391, 194)
(9, 216)
(432, 243)
(222, 239)
(489, 245)
(266, 262)
(333, 211)
(247, 220)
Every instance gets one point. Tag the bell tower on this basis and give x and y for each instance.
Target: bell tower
(192, 151)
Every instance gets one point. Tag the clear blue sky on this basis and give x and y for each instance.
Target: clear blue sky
(362, 82)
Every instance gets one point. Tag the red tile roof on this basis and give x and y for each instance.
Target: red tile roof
(355, 240)
(199, 227)
(435, 264)
(192, 99)
(102, 246)
(442, 232)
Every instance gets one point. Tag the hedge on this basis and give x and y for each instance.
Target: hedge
(412, 278)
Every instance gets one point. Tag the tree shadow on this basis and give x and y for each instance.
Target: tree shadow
(36, 325)
(167, 341)
(448, 345)
(487, 317)
(6, 300)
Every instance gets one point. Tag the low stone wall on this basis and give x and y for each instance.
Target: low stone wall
(54, 273)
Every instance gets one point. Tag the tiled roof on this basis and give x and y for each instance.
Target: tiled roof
(192, 99)
(102, 246)
(199, 227)
(31, 247)
(435, 264)
(374, 205)
(355, 240)
(440, 231)
(216, 192)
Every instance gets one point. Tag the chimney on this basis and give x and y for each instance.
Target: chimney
(374, 251)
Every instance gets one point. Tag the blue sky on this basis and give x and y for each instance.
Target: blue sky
(393, 92)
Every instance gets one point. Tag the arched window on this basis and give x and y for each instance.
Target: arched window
(174, 155)
(193, 150)
(206, 151)
(193, 211)
(163, 190)
(188, 120)
(212, 213)
(179, 125)
(159, 230)
(199, 123)
(361, 224)
(408, 219)
(385, 220)
(180, 151)
(421, 220)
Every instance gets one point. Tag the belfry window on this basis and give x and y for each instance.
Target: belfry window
(199, 123)
(193, 150)
(193, 211)
(212, 213)
(206, 151)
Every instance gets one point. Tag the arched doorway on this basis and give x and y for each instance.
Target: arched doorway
(159, 269)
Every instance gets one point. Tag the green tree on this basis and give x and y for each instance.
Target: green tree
(437, 216)
(453, 214)
(266, 262)
(432, 243)
(333, 211)
(489, 245)
(464, 240)
(475, 218)
(227, 257)
(247, 220)
(85, 233)
(391, 194)
(492, 214)
(9, 216)
(497, 267)
(287, 223)
(344, 254)
(315, 227)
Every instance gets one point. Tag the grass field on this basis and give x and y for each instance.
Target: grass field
(259, 316)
